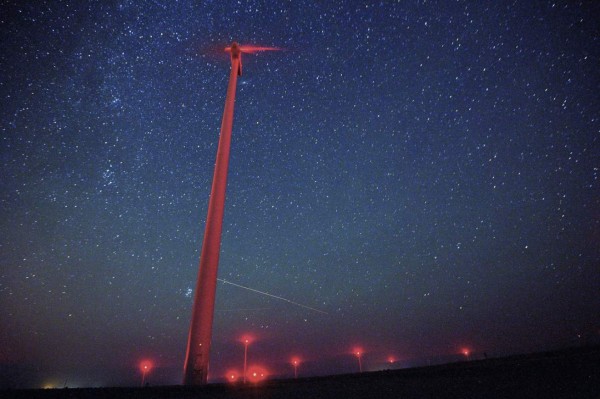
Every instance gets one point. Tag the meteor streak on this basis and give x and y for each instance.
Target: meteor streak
(271, 295)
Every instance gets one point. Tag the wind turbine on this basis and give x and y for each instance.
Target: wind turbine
(195, 368)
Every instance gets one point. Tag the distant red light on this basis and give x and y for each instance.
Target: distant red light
(257, 374)
(357, 351)
(391, 359)
(295, 363)
(247, 339)
(232, 376)
(146, 366)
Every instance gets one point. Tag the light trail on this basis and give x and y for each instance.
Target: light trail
(272, 296)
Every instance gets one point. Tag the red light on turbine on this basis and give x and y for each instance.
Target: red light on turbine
(391, 359)
(466, 352)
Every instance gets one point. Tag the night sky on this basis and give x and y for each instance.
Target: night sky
(426, 173)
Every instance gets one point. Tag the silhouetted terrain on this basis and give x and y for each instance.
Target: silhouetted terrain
(572, 373)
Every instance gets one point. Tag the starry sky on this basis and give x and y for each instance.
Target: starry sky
(425, 172)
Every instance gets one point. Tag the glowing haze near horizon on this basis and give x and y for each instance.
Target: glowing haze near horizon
(424, 172)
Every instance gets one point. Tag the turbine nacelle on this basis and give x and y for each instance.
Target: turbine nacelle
(236, 52)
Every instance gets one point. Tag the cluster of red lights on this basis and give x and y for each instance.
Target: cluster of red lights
(256, 373)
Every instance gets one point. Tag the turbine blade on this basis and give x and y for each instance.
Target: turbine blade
(249, 49)
(254, 49)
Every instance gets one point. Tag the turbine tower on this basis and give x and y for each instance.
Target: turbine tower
(195, 368)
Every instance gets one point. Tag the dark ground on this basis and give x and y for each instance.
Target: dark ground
(572, 373)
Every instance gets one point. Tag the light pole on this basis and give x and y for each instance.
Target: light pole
(467, 353)
(295, 363)
(358, 355)
(246, 342)
(145, 366)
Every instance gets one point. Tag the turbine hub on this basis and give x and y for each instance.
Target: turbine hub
(235, 50)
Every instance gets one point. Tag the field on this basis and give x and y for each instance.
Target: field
(572, 373)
